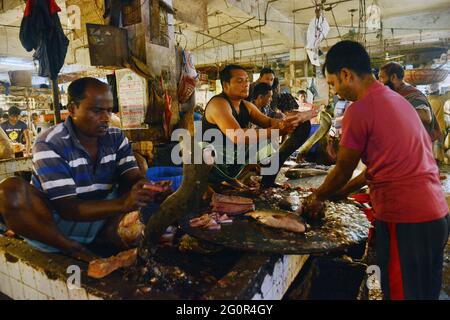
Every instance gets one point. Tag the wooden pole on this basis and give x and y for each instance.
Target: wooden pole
(55, 91)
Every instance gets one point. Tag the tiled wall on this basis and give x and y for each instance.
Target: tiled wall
(275, 285)
(19, 281)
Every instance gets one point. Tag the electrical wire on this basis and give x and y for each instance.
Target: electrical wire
(344, 26)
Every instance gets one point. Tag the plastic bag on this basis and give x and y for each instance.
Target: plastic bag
(188, 79)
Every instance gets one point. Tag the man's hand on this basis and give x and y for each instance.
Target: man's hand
(338, 196)
(143, 193)
(293, 120)
(162, 190)
(313, 208)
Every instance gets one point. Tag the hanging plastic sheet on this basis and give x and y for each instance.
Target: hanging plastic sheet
(317, 31)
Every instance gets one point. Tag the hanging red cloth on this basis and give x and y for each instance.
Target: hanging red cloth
(41, 31)
(364, 198)
(52, 7)
(167, 111)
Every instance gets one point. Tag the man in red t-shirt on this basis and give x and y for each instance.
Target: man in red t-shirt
(382, 130)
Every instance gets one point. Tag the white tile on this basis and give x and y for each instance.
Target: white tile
(14, 270)
(3, 266)
(93, 297)
(59, 289)
(5, 285)
(257, 297)
(77, 294)
(41, 296)
(30, 293)
(17, 290)
(42, 283)
(27, 273)
(267, 284)
(270, 296)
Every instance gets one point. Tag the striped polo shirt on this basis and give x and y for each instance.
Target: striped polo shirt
(62, 167)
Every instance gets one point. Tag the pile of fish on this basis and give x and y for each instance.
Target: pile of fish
(102, 267)
(210, 221)
(223, 207)
(285, 198)
(343, 221)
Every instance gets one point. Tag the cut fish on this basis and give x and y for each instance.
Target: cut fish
(289, 222)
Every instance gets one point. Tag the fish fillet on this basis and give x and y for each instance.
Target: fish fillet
(287, 222)
(100, 268)
(216, 197)
(232, 209)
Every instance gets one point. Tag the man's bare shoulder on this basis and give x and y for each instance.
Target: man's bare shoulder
(218, 105)
(250, 106)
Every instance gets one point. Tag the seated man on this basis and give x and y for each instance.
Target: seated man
(76, 165)
(262, 97)
(228, 112)
(267, 76)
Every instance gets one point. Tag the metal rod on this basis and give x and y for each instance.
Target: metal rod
(55, 91)
(213, 37)
(222, 33)
(312, 7)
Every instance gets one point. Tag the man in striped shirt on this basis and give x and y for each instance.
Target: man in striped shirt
(85, 177)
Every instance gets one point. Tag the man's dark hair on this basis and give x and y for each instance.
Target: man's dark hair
(347, 54)
(266, 71)
(14, 111)
(261, 89)
(285, 102)
(299, 92)
(77, 89)
(276, 83)
(225, 74)
(5, 116)
(391, 68)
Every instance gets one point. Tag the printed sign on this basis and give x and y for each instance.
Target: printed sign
(132, 94)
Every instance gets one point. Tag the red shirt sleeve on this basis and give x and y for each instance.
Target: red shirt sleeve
(355, 128)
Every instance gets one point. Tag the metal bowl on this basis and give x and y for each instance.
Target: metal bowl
(425, 76)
